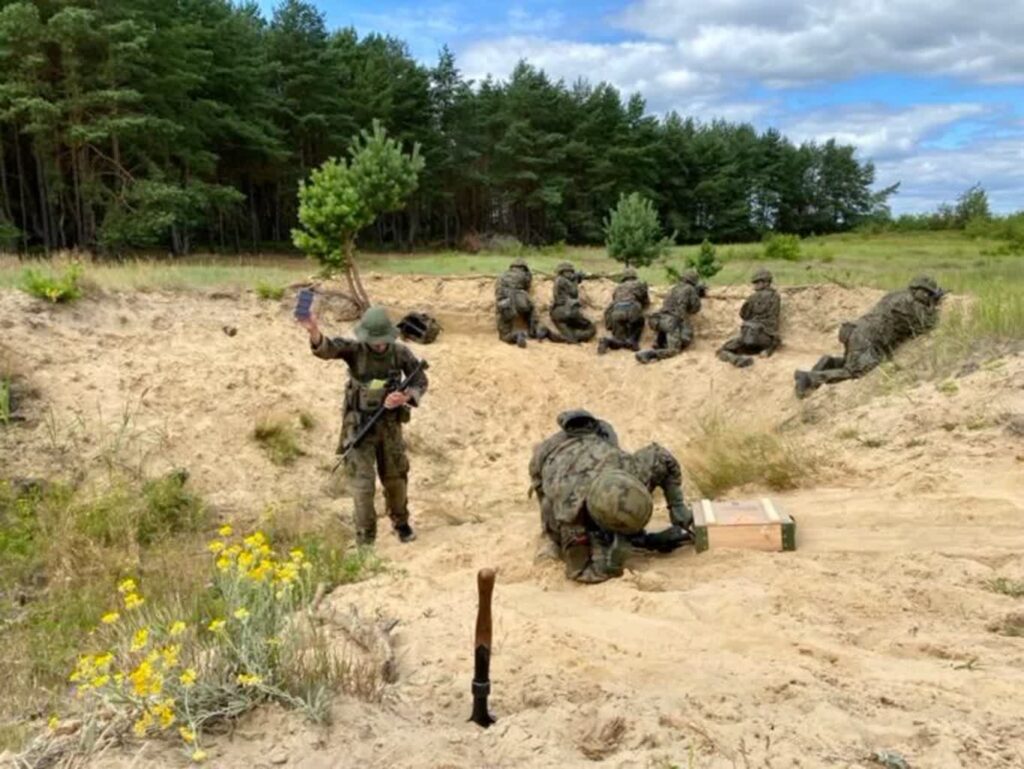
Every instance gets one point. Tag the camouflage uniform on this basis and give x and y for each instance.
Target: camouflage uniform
(566, 311)
(382, 451)
(624, 317)
(759, 331)
(562, 470)
(898, 316)
(671, 324)
(512, 302)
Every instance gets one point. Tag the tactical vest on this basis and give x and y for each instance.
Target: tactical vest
(369, 378)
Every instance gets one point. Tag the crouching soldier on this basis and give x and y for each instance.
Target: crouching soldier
(376, 363)
(898, 316)
(759, 332)
(673, 332)
(566, 310)
(513, 302)
(595, 499)
(624, 317)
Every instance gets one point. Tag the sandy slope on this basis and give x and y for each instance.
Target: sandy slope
(871, 636)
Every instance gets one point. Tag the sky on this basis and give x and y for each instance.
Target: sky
(931, 91)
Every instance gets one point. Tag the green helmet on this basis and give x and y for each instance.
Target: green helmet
(762, 276)
(577, 421)
(619, 502)
(691, 277)
(375, 327)
(925, 283)
(519, 264)
(628, 274)
(564, 267)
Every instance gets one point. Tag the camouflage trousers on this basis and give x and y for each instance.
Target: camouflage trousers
(862, 355)
(625, 324)
(381, 453)
(506, 323)
(572, 324)
(672, 335)
(592, 556)
(752, 339)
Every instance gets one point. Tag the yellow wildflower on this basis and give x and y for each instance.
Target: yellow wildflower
(232, 551)
(177, 629)
(188, 678)
(103, 661)
(245, 559)
(223, 563)
(85, 668)
(255, 540)
(140, 678)
(215, 547)
(246, 679)
(110, 618)
(53, 723)
(164, 713)
(140, 639)
(143, 724)
(126, 586)
(170, 655)
(99, 681)
(153, 657)
(133, 601)
(187, 734)
(225, 530)
(297, 555)
(156, 685)
(199, 755)
(242, 614)
(217, 626)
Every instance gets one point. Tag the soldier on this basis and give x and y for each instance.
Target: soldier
(589, 490)
(374, 359)
(566, 310)
(512, 301)
(898, 316)
(624, 317)
(759, 332)
(671, 324)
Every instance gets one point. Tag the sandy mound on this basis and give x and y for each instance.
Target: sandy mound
(872, 636)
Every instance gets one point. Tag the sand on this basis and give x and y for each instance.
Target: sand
(872, 636)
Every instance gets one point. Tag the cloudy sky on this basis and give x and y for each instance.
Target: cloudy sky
(931, 90)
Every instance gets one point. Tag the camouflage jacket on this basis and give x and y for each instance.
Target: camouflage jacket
(511, 281)
(566, 292)
(763, 307)
(632, 291)
(683, 300)
(549, 445)
(896, 318)
(659, 469)
(366, 367)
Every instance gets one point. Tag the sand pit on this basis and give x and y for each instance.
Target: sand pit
(872, 636)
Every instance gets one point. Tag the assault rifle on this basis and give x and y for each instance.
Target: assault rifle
(394, 385)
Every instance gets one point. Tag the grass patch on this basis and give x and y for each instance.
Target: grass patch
(269, 291)
(278, 440)
(60, 288)
(1005, 586)
(726, 455)
(5, 402)
(1011, 625)
(306, 420)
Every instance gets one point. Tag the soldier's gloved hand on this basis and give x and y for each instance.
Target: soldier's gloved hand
(669, 539)
(680, 515)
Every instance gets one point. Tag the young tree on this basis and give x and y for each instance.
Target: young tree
(633, 233)
(344, 196)
(972, 204)
(706, 262)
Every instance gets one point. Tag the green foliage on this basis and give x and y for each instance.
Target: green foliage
(782, 247)
(706, 262)
(63, 288)
(632, 232)
(972, 204)
(278, 440)
(1005, 586)
(5, 401)
(343, 196)
(9, 236)
(269, 291)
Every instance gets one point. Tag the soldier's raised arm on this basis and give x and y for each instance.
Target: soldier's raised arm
(325, 347)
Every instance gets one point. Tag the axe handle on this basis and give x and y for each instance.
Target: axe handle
(485, 589)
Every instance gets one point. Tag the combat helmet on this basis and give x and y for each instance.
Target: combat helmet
(925, 283)
(628, 274)
(619, 502)
(691, 277)
(577, 421)
(762, 276)
(564, 267)
(519, 264)
(375, 327)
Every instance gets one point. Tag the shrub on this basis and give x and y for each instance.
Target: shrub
(269, 291)
(1011, 587)
(278, 439)
(706, 262)
(783, 247)
(64, 288)
(632, 232)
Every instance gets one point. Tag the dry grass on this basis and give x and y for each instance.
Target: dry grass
(726, 455)
(1005, 586)
(278, 439)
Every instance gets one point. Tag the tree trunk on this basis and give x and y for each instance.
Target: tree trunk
(44, 203)
(20, 168)
(3, 181)
(355, 283)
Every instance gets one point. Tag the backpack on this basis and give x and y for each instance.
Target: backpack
(419, 327)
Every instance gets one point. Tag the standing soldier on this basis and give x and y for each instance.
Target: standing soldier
(759, 332)
(671, 324)
(512, 302)
(566, 310)
(624, 317)
(898, 316)
(375, 363)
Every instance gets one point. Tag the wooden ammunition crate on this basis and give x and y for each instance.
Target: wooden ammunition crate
(749, 524)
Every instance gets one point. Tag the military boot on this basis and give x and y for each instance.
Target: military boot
(602, 346)
(647, 356)
(405, 533)
(804, 384)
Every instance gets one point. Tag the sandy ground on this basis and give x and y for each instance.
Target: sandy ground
(871, 636)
